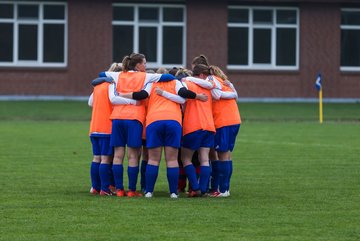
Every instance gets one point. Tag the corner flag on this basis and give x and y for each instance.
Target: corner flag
(318, 82)
(318, 86)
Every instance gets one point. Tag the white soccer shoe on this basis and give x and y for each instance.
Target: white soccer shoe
(148, 195)
(174, 195)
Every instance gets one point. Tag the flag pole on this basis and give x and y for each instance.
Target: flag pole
(320, 107)
(318, 86)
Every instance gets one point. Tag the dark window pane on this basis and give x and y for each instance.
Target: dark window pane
(285, 46)
(28, 42)
(53, 43)
(6, 42)
(123, 13)
(286, 16)
(6, 11)
(350, 17)
(148, 41)
(28, 11)
(173, 14)
(123, 37)
(263, 16)
(238, 45)
(350, 48)
(149, 14)
(238, 16)
(262, 46)
(54, 12)
(172, 45)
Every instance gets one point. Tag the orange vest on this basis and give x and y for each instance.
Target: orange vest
(130, 82)
(225, 111)
(101, 110)
(198, 114)
(161, 108)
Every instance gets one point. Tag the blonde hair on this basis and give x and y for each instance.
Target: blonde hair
(115, 67)
(162, 70)
(150, 71)
(183, 72)
(215, 70)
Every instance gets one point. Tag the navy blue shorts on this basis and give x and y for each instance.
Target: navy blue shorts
(163, 133)
(101, 145)
(225, 138)
(126, 133)
(197, 139)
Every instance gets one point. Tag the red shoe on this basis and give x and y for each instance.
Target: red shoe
(93, 191)
(120, 193)
(194, 193)
(134, 194)
(214, 194)
(103, 193)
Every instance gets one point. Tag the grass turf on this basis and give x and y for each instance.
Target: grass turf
(293, 179)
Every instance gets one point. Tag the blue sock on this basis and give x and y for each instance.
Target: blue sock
(215, 175)
(191, 175)
(105, 178)
(204, 178)
(173, 178)
(112, 180)
(222, 176)
(118, 171)
(133, 173)
(142, 174)
(228, 174)
(151, 176)
(94, 175)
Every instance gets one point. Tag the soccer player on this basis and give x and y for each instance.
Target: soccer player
(227, 123)
(163, 130)
(198, 130)
(128, 120)
(100, 130)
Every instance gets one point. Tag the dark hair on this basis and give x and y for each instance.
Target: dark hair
(129, 62)
(201, 69)
(173, 70)
(201, 59)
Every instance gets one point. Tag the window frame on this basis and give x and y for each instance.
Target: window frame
(273, 27)
(348, 27)
(136, 24)
(39, 22)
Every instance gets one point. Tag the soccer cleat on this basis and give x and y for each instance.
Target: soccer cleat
(196, 193)
(112, 189)
(134, 194)
(120, 193)
(214, 194)
(93, 191)
(103, 193)
(149, 195)
(220, 194)
(174, 195)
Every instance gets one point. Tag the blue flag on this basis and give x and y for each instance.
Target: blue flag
(318, 82)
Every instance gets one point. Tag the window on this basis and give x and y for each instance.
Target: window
(263, 38)
(350, 39)
(158, 31)
(33, 34)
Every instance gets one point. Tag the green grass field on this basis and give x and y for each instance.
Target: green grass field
(293, 179)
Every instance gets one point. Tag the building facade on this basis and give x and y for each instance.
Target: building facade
(268, 49)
